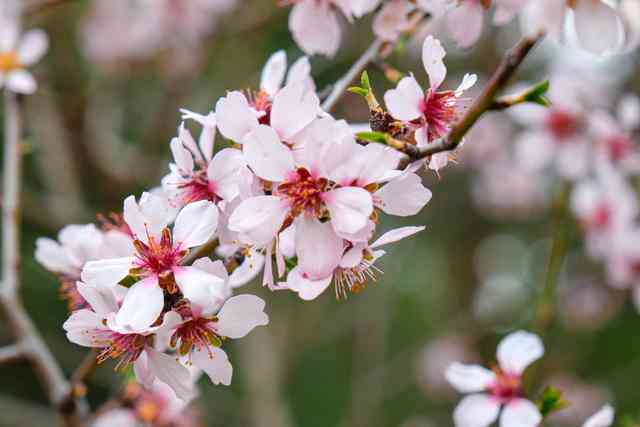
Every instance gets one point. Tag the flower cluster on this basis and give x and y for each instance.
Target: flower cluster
(294, 194)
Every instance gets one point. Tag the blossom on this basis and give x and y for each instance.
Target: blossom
(431, 113)
(314, 23)
(392, 20)
(274, 72)
(602, 418)
(197, 173)
(500, 388)
(156, 263)
(16, 54)
(355, 269)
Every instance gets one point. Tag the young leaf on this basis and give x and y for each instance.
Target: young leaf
(551, 400)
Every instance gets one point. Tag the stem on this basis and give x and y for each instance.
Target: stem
(483, 103)
(29, 342)
(201, 251)
(545, 307)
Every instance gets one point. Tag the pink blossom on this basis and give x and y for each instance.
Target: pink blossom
(431, 113)
(500, 389)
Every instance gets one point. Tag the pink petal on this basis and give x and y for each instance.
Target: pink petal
(182, 157)
(404, 102)
(603, 418)
(404, 196)
(216, 365)
(396, 235)
(476, 410)
(195, 224)
(32, 47)
(518, 350)
(306, 289)
(314, 27)
(294, 107)
(260, 218)
(234, 116)
(21, 81)
(350, 208)
(142, 305)
(171, 372)
(224, 171)
(206, 292)
(318, 247)
(432, 58)
(469, 378)
(273, 73)
(266, 155)
(240, 315)
(465, 23)
(520, 413)
(106, 272)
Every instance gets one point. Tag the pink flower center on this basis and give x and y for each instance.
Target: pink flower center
(198, 188)
(600, 218)
(562, 125)
(619, 146)
(261, 102)
(127, 347)
(506, 387)
(440, 112)
(304, 192)
(158, 258)
(199, 333)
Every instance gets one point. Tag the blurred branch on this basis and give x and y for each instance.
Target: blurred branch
(378, 50)
(29, 341)
(35, 7)
(483, 103)
(10, 353)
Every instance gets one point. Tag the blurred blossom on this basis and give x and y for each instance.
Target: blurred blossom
(503, 191)
(585, 400)
(586, 304)
(500, 296)
(117, 417)
(487, 141)
(434, 359)
(135, 30)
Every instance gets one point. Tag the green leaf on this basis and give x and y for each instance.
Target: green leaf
(372, 136)
(290, 263)
(537, 94)
(358, 91)
(551, 400)
(364, 81)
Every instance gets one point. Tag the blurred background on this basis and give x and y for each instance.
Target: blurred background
(99, 127)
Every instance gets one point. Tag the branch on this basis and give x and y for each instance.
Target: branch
(28, 339)
(201, 251)
(483, 103)
(10, 353)
(378, 50)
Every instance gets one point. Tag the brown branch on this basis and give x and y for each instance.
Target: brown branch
(378, 50)
(28, 340)
(483, 103)
(201, 251)
(10, 353)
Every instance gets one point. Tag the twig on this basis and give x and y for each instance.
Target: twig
(379, 49)
(201, 251)
(482, 104)
(28, 339)
(10, 353)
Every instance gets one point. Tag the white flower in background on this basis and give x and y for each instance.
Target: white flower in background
(392, 20)
(499, 392)
(603, 418)
(315, 26)
(431, 113)
(17, 53)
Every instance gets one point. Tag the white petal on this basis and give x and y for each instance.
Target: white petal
(602, 418)
(404, 196)
(318, 247)
(9, 32)
(468, 81)
(477, 410)
(224, 172)
(235, 117)
(101, 299)
(171, 372)
(395, 235)
(315, 28)
(520, 413)
(248, 270)
(142, 305)
(182, 157)
(80, 325)
(144, 375)
(469, 378)
(206, 292)
(597, 26)
(465, 23)
(294, 107)
(518, 350)
(106, 272)
(32, 47)
(260, 218)
(240, 315)
(349, 207)
(147, 217)
(404, 102)
(273, 73)
(21, 81)
(195, 224)
(54, 257)
(306, 289)
(266, 155)
(432, 58)
(300, 72)
(216, 365)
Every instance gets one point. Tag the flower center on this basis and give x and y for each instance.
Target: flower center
(199, 333)
(562, 125)
(261, 102)
(506, 387)
(9, 61)
(198, 188)
(158, 258)
(304, 191)
(127, 347)
(355, 279)
(600, 217)
(619, 147)
(439, 112)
